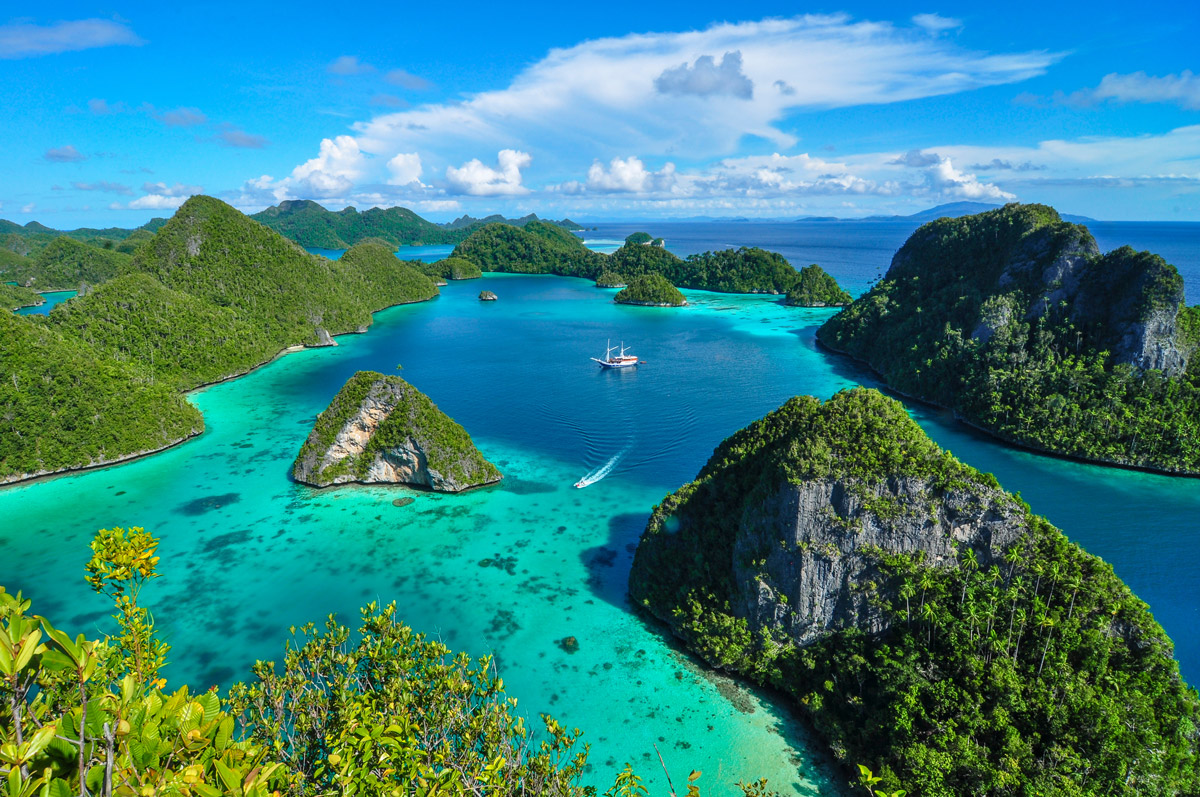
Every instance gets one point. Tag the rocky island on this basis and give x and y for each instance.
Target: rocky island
(381, 430)
(815, 288)
(651, 290)
(930, 625)
(1016, 321)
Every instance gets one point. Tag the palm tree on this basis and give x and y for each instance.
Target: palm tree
(1046, 622)
(928, 615)
(926, 584)
(906, 592)
(1012, 556)
(970, 564)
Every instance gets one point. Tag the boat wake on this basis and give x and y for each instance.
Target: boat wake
(600, 472)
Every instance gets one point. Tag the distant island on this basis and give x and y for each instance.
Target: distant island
(381, 430)
(815, 288)
(1016, 321)
(311, 225)
(927, 622)
(651, 290)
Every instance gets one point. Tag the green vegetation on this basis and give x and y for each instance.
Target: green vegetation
(454, 268)
(815, 288)
(610, 279)
(638, 239)
(651, 289)
(744, 270)
(537, 248)
(376, 278)
(1038, 672)
(379, 711)
(1013, 319)
(15, 296)
(410, 419)
(63, 405)
(212, 295)
(309, 224)
(65, 263)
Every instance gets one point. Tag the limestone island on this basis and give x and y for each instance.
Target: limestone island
(453, 268)
(815, 288)
(610, 279)
(381, 430)
(1016, 321)
(651, 290)
(487, 296)
(926, 621)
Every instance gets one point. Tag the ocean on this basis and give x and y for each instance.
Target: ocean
(514, 569)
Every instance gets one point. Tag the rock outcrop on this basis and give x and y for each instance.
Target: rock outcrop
(381, 430)
(487, 296)
(922, 618)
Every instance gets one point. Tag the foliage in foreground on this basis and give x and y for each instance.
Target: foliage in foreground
(380, 711)
(1039, 675)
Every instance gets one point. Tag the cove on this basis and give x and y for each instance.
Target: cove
(515, 569)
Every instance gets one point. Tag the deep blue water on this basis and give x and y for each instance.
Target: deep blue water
(511, 570)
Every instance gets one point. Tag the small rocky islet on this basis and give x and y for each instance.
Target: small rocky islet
(381, 430)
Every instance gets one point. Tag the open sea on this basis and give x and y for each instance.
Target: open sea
(512, 570)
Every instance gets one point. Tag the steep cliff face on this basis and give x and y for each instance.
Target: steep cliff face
(1015, 320)
(801, 556)
(930, 626)
(381, 430)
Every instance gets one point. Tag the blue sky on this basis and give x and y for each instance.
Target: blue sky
(116, 113)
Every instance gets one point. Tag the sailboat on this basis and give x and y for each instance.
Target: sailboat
(622, 360)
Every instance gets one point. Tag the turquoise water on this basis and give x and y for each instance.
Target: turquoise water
(515, 568)
(52, 298)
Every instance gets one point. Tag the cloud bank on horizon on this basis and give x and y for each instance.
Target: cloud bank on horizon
(672, 123)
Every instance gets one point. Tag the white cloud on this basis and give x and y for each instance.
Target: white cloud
(706, 77)
(177, 190)
(101, 107)
(1182, 89)
(103, 186)
(947, 182)
(405, 168)
(477, 179)
(623, 175)
(936, 23)
(557, 106)
(27, 208)
(26, 40)
(333, 171)
(152, 202)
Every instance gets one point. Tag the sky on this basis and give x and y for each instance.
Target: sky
(115, 113)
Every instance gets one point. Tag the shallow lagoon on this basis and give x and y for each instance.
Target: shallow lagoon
(514, 569)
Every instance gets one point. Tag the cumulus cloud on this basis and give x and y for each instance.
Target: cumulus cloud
(623, 175)
(404, 168)
(334, 170)
(28, 208)
(946, 181)
(27, 40)
(160, 196)
(936, 23)
(477, 179)
(706, 77)
(348, 65)
(103, 186)
(67, 154)
(407, 80)
(1182, 89)
(232, 136)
